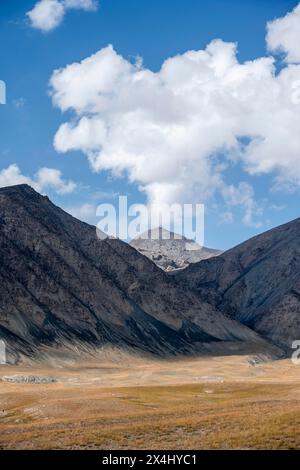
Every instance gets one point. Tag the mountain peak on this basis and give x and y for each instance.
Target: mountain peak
(62, 287)
(170, 251)
(18, 187)
(160, 233)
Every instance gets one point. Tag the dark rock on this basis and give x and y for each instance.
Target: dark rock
(60, 286)
(256, 283)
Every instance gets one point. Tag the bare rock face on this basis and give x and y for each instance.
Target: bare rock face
(25, 379)
(170, 251)
(256, 283)
(60, 286)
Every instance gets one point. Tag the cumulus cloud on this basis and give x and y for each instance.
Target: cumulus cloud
(45, 178)
(243, 196)
(175, 132)
(47, 15)
(85, 212)
(284, 35)
(52, 178)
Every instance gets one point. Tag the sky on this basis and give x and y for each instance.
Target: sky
(162, 101)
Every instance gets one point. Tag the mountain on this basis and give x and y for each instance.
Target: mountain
(169, 251)
(256, 283)
(64, 289)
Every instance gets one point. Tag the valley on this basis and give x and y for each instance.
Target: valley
(125, 402)
(107, 350)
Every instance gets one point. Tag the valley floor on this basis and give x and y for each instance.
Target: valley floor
(129, 403)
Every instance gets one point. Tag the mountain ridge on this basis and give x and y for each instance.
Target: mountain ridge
(256, 282)
(60, 285)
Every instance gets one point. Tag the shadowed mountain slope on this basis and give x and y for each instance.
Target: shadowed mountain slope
(257, 283)
(60, 286)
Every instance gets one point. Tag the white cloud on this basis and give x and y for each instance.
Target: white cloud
(52, 178)
(284, 35)
(87, 5)
(85, 212)
(45, 178)
(243, 196)
(174, 132)
(85, 135)
(47, 15)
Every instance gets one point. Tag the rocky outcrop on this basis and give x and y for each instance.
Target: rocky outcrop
(170, 251)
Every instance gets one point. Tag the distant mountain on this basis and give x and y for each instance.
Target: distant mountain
(256, 283)
(63, 289)
(169, 251)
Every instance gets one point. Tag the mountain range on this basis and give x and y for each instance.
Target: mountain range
(256, 283)
(64, 289)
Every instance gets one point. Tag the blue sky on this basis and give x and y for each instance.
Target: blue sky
(154, 30)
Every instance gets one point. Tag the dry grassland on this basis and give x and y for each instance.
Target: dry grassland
(211, 403)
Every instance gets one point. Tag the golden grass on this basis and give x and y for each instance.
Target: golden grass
(248, 414)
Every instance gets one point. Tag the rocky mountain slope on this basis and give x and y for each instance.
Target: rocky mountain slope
(169, 251)
(257, 283)
(62, 287)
